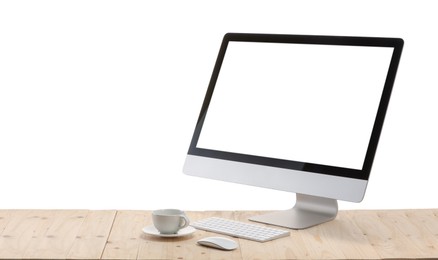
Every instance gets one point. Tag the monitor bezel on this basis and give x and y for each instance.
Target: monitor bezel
(363, 174)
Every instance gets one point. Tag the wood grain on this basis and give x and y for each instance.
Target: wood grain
(55, 236)
(92, 236)
(125, 235)
(111, 234)
(24, 229)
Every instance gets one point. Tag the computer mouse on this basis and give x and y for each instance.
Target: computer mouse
(218, 242)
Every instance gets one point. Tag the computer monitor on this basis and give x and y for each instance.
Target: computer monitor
(295, 113)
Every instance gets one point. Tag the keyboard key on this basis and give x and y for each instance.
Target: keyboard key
(240, 229)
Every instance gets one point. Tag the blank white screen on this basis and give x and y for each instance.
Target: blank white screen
(300, 102)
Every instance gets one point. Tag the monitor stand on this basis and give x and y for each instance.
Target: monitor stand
(308, 211)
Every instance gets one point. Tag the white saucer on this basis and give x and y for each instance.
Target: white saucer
(151, 230)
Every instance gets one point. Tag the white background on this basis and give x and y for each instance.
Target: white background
(98, 100)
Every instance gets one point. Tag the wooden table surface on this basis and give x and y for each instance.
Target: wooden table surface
(111, 234)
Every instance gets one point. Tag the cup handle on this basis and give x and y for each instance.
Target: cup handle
(184, 221)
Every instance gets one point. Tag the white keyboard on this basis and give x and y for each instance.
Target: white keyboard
(239, 229)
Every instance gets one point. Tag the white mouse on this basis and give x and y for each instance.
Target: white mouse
(218, 242)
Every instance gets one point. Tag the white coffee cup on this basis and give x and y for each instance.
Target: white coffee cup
(169, 221)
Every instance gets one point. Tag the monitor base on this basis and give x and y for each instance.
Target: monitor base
(308, 211)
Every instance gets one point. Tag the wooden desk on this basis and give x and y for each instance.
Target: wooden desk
(84, 234)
